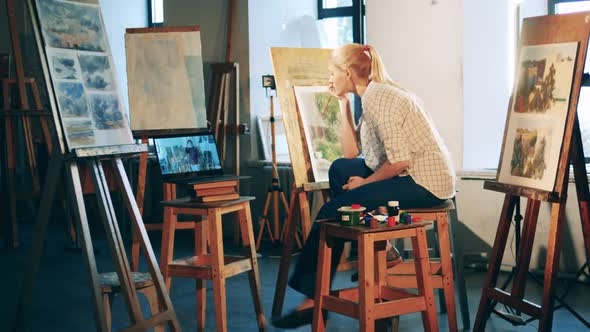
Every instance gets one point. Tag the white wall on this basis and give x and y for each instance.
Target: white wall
(421, 44)
(117, 16)
(276, 24)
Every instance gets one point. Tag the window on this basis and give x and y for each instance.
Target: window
(341, 21)
(565, 7)
(155, 13)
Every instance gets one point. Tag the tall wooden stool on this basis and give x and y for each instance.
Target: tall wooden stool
(373, 300)
(214, 265)
(441, 268)
(110, 286)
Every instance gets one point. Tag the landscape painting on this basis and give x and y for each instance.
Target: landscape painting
(536, 122)
(69, 25)
(165, 80)
(80, 131)
(97, 72)
(64, 66)
(544, 78)
(320, 115)
(72, 99)
(106, 111)
(529, 153)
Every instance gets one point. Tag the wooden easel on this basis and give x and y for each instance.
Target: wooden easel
(25, 115)
(70, 161)
(537, 31)
(302, 67)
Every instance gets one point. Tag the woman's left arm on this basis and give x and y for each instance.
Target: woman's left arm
(386, 171)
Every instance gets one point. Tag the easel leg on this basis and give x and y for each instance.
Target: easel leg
(283, 275)
(146, 247)
(484, 309)
(525, 249)
(552, 265)
(106, 209)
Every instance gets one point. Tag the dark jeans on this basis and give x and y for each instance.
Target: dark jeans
(372, 195)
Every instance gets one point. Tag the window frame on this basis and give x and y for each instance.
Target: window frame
(551, 4)
(150, 15)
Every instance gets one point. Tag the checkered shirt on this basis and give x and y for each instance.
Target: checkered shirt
(395, 127)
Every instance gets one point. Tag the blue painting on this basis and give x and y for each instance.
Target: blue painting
(96, 71)
(71, 26)
(71, 99)
(106, 111)
(64, 67)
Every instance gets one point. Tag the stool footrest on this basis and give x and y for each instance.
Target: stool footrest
(398, 301)
(199, 267)
(408, 267)
(155, 320)
(409, 281)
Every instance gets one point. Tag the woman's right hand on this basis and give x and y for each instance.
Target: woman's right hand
(342, 98)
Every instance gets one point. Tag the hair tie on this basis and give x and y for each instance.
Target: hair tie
(367, 49)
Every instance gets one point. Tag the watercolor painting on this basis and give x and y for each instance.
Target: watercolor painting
(72, 99)
(106, 111)
(536, 122)
(165, 79)
(529, 153)
(97, 72)
(544, 80)
(80, 131)
(321, 119)
(72, 26)
(64, 67)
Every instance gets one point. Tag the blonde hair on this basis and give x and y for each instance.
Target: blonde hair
(363, 60)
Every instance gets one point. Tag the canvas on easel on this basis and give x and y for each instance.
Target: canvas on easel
(536, 120)
(165, 78)
(83, 74)
(320, 117)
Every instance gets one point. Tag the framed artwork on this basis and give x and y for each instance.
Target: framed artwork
(264, 130)
(82, 74)
(165, 78)
(536, 120)
(320, 117)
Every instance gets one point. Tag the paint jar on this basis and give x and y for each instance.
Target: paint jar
(351, 215)
(392, 212)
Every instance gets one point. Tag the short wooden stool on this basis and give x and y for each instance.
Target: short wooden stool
(214, 265)
(110, 286)
(373, 300)
(441, 267)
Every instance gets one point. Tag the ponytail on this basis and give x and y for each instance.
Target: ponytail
(364, 60)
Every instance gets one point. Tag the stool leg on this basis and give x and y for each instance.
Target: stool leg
(423, 278)
(458, 264)
(245, 218)
(380, 265)
(366, 283)
(217, 267)
(200, 284)
(106, 299)
(322, 283)
(167, 247)
(447, 270)
(442, 304)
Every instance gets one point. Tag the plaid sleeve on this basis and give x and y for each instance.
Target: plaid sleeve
(393, 133)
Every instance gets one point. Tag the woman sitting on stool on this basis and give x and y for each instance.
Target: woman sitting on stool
(405, 159)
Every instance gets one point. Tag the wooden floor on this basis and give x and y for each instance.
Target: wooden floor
(62, 300)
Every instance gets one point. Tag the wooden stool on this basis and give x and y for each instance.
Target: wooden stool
(404, 276)
(214, 265)
(110, 285)
(373, 300)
